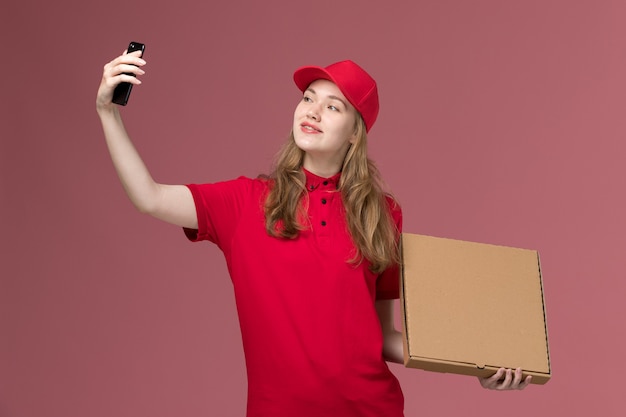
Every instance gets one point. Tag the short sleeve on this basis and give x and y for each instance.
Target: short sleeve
(388, 283)
(219, 207)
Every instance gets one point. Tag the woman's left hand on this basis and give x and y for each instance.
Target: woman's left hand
(505, 379)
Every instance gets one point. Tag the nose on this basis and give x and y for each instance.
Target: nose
(313, 113)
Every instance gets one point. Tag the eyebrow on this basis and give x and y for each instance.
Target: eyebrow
(330, 97)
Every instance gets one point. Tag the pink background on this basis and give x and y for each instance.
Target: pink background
(501, 122)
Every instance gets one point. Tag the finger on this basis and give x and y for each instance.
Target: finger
(131, 59)
(492, 381)
(525, 383)
(112, 70)
(127, 68)
(125, 78)
(118, 70)
(135, 53)
(495, 379)
(517, 379)
(507, 380)
(112, 80)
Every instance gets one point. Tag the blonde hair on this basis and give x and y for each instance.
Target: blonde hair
(367, 207)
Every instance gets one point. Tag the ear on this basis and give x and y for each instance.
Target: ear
(353, 138)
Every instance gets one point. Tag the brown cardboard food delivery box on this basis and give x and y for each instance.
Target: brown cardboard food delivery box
(471, 308)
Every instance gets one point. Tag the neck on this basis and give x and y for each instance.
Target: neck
(322, 167)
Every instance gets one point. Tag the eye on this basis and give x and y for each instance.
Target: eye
(307, 99)
(333, 108)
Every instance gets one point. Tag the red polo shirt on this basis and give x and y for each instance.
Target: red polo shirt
(311, 336)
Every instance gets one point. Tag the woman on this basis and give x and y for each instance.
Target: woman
(311, 250)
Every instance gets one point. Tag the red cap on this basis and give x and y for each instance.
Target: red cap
(356, 84)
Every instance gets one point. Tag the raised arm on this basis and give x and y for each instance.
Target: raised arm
(171, 203)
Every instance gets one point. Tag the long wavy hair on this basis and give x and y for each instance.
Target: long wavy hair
(367, 208)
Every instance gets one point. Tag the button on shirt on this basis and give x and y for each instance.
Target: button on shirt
(324, 201)
(310, 332)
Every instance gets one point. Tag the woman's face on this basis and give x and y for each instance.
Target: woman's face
(324, 126)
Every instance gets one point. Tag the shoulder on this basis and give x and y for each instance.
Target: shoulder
(236, 191)
(393, 205)
(241, 183)
(394, 209)
(256, 184)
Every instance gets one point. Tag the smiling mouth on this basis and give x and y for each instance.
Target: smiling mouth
(308, 128)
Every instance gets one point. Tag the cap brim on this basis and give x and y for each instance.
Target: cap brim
(304, 76)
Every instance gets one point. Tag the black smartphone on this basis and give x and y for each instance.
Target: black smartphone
(122, 91)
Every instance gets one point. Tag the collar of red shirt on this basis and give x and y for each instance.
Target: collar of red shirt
(314, 181)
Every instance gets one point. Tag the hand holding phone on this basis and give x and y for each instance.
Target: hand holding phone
(122, 90)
